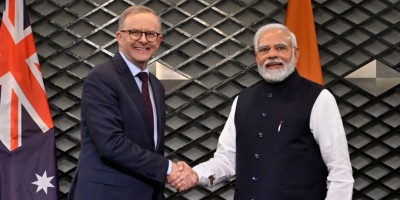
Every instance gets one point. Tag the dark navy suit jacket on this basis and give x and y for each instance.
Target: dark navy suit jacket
(118, 158)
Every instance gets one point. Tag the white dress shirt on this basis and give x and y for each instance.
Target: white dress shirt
(327, 128)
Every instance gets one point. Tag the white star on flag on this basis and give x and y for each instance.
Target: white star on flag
(43, 182)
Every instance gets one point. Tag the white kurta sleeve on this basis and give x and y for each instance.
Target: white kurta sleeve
(327, 127)
(222, 165)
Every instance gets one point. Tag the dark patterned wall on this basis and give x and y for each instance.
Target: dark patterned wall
(210, 43)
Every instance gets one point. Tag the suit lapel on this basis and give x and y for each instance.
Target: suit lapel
(132, 88)
(157, 98)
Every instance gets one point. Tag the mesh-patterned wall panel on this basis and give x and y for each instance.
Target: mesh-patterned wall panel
(210, 43)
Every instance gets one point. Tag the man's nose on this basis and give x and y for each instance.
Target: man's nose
(272, 53)
(143, 38)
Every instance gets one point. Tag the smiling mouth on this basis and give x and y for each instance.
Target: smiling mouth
(142, 48)
(274, 64)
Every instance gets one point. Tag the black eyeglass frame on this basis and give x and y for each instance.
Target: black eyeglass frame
(146, 34)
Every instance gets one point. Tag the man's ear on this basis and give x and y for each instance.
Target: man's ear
(297, 53)
(118, 36)
(160, 38)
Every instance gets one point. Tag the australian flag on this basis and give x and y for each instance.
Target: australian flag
(28, 168)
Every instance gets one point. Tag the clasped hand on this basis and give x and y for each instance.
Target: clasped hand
(182, 176)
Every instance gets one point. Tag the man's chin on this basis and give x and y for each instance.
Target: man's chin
(274, 76)
(143, 59)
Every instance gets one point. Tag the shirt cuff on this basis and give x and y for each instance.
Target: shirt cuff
(169, 168)
(203, 176)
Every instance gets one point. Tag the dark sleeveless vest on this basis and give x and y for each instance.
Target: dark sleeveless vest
(277, 157)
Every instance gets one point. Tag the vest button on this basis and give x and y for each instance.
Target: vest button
(257, 156)
(269, 95)
(260, 134)
(254, 178)
(264, 114)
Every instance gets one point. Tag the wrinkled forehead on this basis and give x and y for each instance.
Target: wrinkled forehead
(273, 37)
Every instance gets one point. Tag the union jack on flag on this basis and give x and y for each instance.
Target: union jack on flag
(27, 152)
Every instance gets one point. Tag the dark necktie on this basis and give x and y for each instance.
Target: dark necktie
(144, 77)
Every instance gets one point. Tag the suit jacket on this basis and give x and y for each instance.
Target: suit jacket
(118, 159)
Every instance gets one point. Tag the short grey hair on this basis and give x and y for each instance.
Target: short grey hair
(273, 26)
(135, 9)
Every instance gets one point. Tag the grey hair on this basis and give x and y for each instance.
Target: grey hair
(273, 26)
(135, 9)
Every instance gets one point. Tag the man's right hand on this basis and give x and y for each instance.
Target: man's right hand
(182, 176)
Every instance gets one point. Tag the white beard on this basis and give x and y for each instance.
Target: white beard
(276, 75)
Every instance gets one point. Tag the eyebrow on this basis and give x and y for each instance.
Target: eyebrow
(278, 44)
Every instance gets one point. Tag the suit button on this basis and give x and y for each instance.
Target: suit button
(257, 156)
(260, 134)
(264, 114)
(269, 95)
(254, 178)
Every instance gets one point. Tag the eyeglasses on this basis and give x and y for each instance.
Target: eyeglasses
(136, 34)
(279, 48)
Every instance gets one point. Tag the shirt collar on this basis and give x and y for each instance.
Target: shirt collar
(132, 67)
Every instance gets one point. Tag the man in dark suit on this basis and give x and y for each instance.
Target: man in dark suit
(122, 134)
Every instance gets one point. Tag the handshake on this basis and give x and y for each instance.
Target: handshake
(182, 176)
